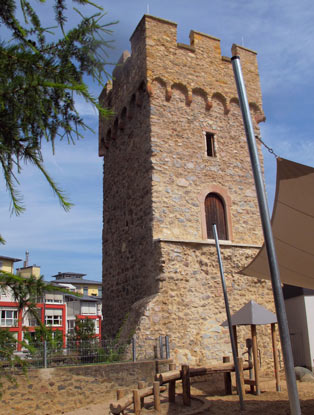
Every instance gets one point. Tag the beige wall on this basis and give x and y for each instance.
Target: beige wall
(26, 272)
(92, 289)
(7, 265)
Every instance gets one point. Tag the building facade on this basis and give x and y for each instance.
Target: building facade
(79, 284)
(175, 162)
(56, 310)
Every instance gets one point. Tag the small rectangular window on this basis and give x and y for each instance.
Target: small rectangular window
(210, 145)
(8, 318)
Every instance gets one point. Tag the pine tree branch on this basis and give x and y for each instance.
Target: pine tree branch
(37, 81)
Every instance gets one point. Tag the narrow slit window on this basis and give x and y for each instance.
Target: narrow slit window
(210, 145)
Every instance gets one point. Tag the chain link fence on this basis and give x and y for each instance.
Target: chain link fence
(93, 351)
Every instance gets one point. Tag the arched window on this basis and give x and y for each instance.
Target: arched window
(215, 214)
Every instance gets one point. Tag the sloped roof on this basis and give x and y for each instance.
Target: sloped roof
(292, 226)
(61, 275)
(10, 258)
(252, 313)
(76, 281)
(84, 298)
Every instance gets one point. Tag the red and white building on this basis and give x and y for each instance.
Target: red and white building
(57, 310)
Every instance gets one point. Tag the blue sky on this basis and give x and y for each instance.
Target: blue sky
(281, 31)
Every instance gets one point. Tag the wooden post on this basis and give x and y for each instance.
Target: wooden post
(156, 366)
(141, 385)
(156, 388)
(255, 359)
(227, 377)
(234, 328)
(137, 401)
(186, 385)
(240, 365)
(275, 354)
(121, 393)
(172, 385)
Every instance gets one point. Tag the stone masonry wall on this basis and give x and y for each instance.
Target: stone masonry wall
(183, 174)
(160, 272)
(190, 306)
(59, 390)
(128, 254)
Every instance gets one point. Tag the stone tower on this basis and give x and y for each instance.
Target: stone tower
(176, 161)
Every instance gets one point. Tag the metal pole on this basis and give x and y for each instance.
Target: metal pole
(161, 348)
(45, 340)
(269, 241)
(134, 348)
(167, 347)
(233, 345)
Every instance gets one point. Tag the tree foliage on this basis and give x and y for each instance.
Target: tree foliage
(84, 330)
(35, 339)
(27, 293)
(42, 70)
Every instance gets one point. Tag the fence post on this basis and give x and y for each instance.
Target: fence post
(185, 374)
(227, 377)
(172, 385)
(121, 393)
(156, 388)
(45, 354)
(141, 385)
(240, 365)
(137, 401)
(134, 348)
(167, 347)
(161, 349)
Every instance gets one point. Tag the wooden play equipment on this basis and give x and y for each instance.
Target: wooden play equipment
(254, 314)
(136, 398)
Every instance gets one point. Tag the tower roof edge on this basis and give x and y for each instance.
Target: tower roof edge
(158, 19)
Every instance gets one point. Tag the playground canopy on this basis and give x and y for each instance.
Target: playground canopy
(252, 313)
(293, 227)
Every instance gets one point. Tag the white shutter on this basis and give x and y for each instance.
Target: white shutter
(53, 312)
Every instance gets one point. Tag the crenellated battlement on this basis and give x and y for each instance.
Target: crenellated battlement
(158, 57)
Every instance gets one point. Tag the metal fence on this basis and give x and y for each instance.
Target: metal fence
(93, 351)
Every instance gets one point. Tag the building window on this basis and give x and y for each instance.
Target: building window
(88, 308)
(53, 317)
(71, 325)
(8, 318)
(53, 320)
(215, 214)
(32, 321)
(99, 291)
(210, 145)
(85, 290)
(53, 301)
(54, 298)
